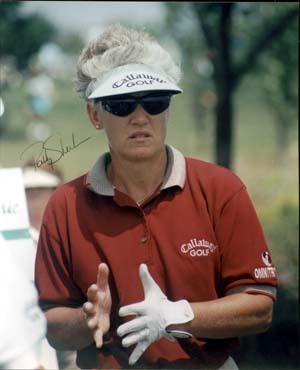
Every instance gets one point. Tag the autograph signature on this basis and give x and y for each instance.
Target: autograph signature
(44, 150)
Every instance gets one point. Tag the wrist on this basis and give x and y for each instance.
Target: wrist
(180, 323)
(183, 327)
(67, 329)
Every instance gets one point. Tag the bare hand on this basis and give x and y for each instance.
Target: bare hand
(97, 308)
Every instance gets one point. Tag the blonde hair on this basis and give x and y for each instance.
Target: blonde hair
(118, 46)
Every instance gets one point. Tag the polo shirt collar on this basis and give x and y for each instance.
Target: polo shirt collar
(98, 182)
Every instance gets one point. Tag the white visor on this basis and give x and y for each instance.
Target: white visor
(39, 179)
(132, 78)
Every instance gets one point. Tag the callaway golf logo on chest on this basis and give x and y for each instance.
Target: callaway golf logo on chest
(198, 247)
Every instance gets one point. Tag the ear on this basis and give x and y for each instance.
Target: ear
(94, 115)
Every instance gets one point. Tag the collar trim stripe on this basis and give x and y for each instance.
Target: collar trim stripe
(98, 182)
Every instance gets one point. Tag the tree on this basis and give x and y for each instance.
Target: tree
(71, 42)
(277, 77)
(22, 35)
(235, 36)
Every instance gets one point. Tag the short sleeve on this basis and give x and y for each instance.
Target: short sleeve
(53, 268)
(246, 262)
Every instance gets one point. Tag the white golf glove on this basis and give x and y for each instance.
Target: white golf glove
(154, 315)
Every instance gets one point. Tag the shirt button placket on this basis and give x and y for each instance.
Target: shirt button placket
(144, 237)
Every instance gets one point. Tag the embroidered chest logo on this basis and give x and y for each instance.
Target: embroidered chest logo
(198, 248)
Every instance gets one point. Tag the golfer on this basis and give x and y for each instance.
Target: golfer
(151, 259)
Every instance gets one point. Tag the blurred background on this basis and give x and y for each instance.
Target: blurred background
(239, 109)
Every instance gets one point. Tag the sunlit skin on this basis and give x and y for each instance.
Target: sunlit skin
(137, 148)
(120, 130)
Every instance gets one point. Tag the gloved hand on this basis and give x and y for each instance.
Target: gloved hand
(154, 315)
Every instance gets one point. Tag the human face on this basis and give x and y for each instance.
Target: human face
(137, 136)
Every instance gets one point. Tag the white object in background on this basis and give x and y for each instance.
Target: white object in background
(22, 323)
(2, 108)
(34, 178)
(14, 220)
(15, 230)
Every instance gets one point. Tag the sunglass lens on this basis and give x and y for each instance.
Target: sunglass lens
(119, 107)
(156, 105)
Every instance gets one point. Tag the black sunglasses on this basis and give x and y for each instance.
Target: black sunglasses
(123, 106)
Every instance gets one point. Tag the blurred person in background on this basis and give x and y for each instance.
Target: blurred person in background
(40, 90)
(2, 122)
(2, 110)
(40, 183)
(22, 323)
(149, 249)
(39, 186)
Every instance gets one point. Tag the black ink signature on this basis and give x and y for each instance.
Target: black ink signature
(43, 155)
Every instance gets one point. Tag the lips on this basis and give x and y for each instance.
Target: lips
(139, 135)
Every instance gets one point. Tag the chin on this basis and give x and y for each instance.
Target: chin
(141, 153)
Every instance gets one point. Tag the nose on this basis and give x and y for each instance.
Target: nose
(139, 116)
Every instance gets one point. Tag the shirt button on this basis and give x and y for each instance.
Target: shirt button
(144, 239)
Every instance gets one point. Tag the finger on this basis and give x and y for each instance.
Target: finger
(92, 293)
(146, 278)
(102, 276)
(138, 351)
(92, 322)
(98, 338)
(132, 309)
(88, 308)
(135, 337)
(133, 325)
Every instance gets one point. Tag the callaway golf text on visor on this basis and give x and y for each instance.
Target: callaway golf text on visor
(129, 79)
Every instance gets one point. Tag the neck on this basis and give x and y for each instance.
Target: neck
(138, 179)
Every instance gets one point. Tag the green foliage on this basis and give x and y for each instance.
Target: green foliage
(277, 348)
(221, 44)
(277, 76)
(22, 36)
(281, 220)
(70, 42)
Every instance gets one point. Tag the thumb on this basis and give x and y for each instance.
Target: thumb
(147, 280)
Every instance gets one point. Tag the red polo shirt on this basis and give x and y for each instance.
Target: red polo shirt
(198, 233)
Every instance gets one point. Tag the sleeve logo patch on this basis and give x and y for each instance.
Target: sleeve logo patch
(266, 258)
(265, 272)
